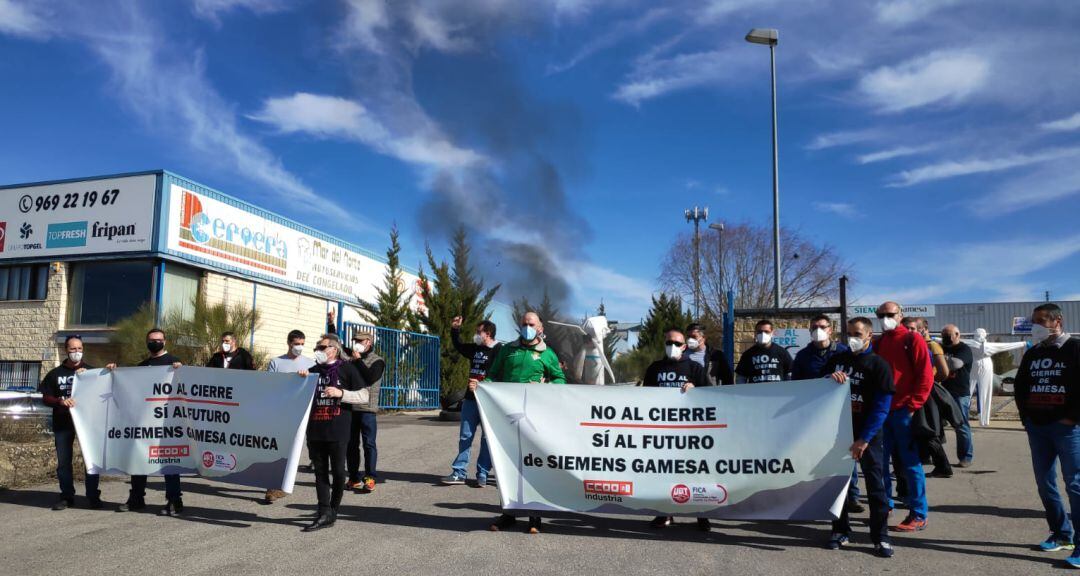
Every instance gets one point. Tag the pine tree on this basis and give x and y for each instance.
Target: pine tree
(391, 307)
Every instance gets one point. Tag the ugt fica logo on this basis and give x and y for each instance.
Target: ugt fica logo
(680, 493)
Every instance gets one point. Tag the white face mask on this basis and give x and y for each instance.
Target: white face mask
(819, 335)
(478, 339)
(692, 343)
(763, 338)
(226, 347)
(889, 324)
(856, 344)
(297, 350)
(320, 357)
(75, 357)
(672, 351)
(360, 348)
(1040, 333)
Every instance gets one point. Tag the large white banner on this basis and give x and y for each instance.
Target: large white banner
(762, 451)
(204, 227)
(234, 426)
(86, 217)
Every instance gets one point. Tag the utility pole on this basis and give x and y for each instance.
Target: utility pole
(719, 227)
(697, 215)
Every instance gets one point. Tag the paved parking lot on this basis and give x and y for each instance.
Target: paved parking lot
(984, 520)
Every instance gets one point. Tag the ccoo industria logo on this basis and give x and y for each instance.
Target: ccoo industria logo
(227, 240)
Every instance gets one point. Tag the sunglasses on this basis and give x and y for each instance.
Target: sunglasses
(886, 314)
(321, 347)
(674, 343)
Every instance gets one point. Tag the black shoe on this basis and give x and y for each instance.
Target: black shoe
(305, 469)
(883, 550)
(704, 525)
(325, 519)
(131, 506)
(937, 473)
(534, 524)
(96, 504)
(63, 503)
(502, 523)
(855, 507)
(660, 522)
(173, 508)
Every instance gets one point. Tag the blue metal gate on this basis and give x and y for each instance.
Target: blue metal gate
(411, 379)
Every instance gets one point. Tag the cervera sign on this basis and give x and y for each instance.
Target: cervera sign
(235, 237)
(100, 216)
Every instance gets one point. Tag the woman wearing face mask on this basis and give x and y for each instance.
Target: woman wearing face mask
(764, 362)
(328, 425)
(675, 370)
(55, 391)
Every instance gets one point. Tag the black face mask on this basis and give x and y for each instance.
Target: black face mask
(155, 346)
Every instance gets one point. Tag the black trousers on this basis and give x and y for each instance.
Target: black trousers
(872, 464)
(65, 442)
(329, 461)
(362, 431)
(938, 456)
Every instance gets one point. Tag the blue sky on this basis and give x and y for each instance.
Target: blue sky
(933, 143)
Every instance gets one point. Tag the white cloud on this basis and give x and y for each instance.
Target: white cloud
(613, 36)
(898, 152)
(333, 117)
(363, 20)
(901, 12)
(213, 9)
(842, 209)
(655, 78)
(719, 9)
(1056, 181)
(19, 19)
(952, 168)
(938, 78)
(843, 138)
(1063, 124)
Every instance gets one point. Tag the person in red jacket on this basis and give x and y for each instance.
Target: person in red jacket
(907, 354)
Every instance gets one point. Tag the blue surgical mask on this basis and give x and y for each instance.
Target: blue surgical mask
(528, 333)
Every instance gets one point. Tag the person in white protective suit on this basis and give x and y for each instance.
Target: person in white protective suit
(982, 371)
(590, 364)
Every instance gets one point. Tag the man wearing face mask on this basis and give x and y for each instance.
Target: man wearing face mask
(810, 361)
(764, 362)
(675, 370)
(907, 354)
(871, 382)
(328, 425)
(929, 426)
(959, 357)
(364, 425)
(231, 356)
(290, 362)
(529, 360)
(1048, 396)
(155, 344)
(55, 391)
(481, 354)
(716, 365)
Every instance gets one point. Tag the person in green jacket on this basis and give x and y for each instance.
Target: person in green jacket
(528, 360)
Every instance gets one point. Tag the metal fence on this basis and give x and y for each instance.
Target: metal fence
(20, 376)
(411, 379)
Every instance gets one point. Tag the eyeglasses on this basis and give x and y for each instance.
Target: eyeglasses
(674, 343)
(887, 314)
(820, 327)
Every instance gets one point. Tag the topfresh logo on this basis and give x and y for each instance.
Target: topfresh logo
(223, 239)
(66, 235)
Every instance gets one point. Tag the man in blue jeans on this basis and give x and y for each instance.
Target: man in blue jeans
(1048, 396)
(481, 353)
(960, 358)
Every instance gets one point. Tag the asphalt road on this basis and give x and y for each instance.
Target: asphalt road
(984, 520)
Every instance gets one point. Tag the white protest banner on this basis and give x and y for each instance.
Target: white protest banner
(763, 451)
(234, 426)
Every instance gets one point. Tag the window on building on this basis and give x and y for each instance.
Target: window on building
(24, 282)
(104, 293)
(179, 290)
(20, 376)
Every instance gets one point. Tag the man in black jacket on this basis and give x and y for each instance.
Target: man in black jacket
(155, 344)
(481, 354)
(231, 356)
(676, 370)
(960, 358)
(55, 391)
(716, 365)
(364, 416)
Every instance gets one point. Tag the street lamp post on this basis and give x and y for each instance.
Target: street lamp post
(719, 227)
(770, 37)
(697, 215)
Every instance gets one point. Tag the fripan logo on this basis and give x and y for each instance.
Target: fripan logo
(66, 235)
(110, 231)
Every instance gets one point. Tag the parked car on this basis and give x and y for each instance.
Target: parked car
(1003, 383)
